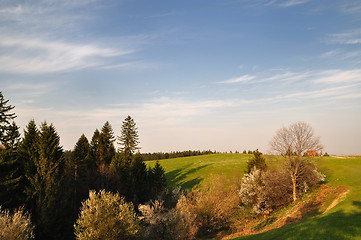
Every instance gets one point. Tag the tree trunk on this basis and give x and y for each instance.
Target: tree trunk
(294, 192)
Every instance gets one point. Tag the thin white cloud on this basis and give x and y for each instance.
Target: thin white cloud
(349, 96)
(353, 6)
(339, 76)
(350, 37)
(277, 3)
(30, 55)
(242, 79)
(291, 3)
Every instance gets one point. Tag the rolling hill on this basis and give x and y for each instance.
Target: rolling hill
(342, 221)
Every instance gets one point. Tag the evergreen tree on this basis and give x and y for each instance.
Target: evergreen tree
(11, 169)
(28, 153)
(94, 146)
(257, 161)
(158, 180)
(6, 117)
(128, 139)
(50, 212)
(78, 174)
(106, 146)
(102, 145)
(139, 180)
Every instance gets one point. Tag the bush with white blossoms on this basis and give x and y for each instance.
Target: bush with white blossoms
(16, 226)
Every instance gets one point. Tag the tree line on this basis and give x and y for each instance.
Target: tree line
(37, 176)
(175, 154)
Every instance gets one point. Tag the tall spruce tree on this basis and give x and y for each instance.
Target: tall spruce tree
(139, 180)
(28, 153)
(11, 169)
(106, 144)
(6, 117)
(78, 170)
(129, 138)
(157, 179)
(102, 145)
(51, 202)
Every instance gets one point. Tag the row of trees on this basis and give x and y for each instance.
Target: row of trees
(176, 154)
(35, 172)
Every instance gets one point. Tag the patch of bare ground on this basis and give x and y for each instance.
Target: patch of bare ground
(320, 201)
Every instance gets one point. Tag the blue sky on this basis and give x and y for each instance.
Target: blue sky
(219, 75)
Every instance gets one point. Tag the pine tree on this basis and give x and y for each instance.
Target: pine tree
(11, 169)
(6, 116)
(102, 145)
(47, 182)
(139, 180)
(158, 180)
(128, 139)
(106, 146)
(28, 154)
(78, 173)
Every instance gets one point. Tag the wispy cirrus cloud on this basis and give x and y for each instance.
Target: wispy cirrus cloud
(35, 55)
(291, 3)
(348, 37)
(276, 3)
(339, 76)
(241, 79)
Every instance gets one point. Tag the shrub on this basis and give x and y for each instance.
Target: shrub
(214, 207)
(167, 224)
(272, 189)
(16, 226)
(257, 161)
(105, 215)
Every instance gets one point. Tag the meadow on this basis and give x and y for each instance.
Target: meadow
(341, 222)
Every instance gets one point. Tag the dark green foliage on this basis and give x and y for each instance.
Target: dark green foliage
(106, 146)
(257, 161)
(11, 168)
(102, 147)
(47, 187)
(78, 172)
(6, 116)
(29, 155)
(157, 179)
(128, 138)
(139, 180)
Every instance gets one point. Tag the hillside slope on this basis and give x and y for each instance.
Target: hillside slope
(342, 221)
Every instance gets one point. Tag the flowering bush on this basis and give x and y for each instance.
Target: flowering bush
(105, 215)
(16, 226)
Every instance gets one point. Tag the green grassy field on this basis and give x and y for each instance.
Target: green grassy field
(341, 222)
(189, 172)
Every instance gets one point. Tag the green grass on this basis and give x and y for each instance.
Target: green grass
(189, 172)
(341, 222)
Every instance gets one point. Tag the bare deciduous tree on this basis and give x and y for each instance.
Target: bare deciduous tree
(293, 143)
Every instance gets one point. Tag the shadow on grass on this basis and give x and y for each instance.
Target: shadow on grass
(337, 225)
(177, 176)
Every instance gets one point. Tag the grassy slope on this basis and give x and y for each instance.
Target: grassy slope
(189, 172)
(341, 222)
